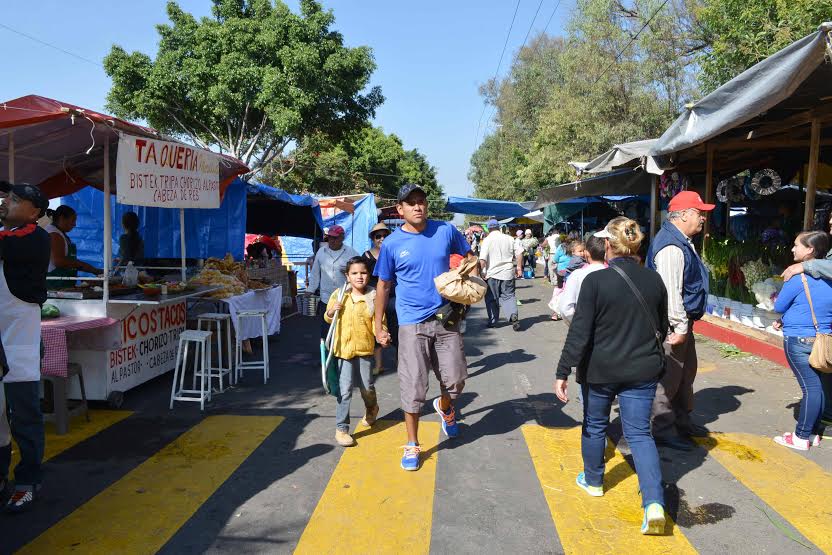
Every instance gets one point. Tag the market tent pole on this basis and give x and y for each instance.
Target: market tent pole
(108, 223)
(182, 239)
(654, 205)
(709, 190)
(812, 178)
(11, 156)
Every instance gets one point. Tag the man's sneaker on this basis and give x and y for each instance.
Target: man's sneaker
(653, 523)
(370, 415)
(515, 322)
(793, 442)
(20, 500)
(594, 491)
(344, 439)
(449, 425)
(410, 459)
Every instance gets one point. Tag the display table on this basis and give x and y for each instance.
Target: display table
(270, 300)
(53, 333)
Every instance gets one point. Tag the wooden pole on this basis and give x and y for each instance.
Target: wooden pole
(812, 177)
(654, 206)
(108, 223)
(709, 188)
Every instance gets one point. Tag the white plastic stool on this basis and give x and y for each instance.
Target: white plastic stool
(262, 364)
(202, 346)
(220, 320)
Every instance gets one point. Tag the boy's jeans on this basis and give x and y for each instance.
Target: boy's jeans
(347, 369)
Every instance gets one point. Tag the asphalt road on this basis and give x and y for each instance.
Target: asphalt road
(259, 471)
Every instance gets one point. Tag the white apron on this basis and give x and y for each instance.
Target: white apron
(20, 334)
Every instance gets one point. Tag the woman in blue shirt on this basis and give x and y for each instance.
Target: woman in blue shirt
(799, 336)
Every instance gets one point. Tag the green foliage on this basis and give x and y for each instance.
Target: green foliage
(740, 33)
(253, 80)
(367, 160)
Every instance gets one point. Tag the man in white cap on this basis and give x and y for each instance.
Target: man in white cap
(501, 261)
(327, 271)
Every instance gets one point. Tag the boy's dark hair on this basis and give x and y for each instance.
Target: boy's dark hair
(355, 260)
(597, 248)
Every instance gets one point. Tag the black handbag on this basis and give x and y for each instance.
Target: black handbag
(650, 315)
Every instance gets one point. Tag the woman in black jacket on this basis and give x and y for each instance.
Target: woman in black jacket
(615, 342)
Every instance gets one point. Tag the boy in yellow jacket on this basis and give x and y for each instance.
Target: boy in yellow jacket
(353, 346)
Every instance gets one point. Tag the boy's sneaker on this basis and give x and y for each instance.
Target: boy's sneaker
(344, 439)
(449, 425)
(515, 322)
(20, 500)
(793, 442)
(370, 415)
(594, 491)
(410, 459)
(654, 520)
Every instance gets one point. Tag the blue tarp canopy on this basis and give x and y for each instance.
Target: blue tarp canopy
(486, 207)
(272, 211)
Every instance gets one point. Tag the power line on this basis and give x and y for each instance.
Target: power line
(539, 5)
(50, 45)
(497, 72)
(632, 40)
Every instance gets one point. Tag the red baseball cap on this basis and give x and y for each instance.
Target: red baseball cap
(688, 199)
(335, 231)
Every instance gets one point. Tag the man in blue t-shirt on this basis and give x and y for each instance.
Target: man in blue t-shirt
(412, 257)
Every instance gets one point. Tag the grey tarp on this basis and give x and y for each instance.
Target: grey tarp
(629, 181)
(619, 155)
(751, 94)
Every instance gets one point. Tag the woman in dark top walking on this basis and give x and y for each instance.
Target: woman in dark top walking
(377, 235)
(623, 359)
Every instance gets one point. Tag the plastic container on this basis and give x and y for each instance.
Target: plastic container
(131, 275)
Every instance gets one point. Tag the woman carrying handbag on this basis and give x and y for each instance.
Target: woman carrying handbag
(806, 305)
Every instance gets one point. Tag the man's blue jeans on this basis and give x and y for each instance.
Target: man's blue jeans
(636, 402)
(26, 423)
(812, 404)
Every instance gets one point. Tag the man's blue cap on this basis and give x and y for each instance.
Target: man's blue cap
(493, 224)
(408, 188)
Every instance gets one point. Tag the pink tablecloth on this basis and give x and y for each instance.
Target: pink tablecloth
(53, 332)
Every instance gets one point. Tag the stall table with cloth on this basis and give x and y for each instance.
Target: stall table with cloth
(269, 300)
(79, 148)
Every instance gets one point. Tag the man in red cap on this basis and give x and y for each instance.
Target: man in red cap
(673, 256)
(327, 273)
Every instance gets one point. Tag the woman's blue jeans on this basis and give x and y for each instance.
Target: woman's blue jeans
(813, 402)
(636, 402)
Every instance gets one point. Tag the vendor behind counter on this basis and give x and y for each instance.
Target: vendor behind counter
(64, 261)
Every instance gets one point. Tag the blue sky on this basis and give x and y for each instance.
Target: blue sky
(432, 56)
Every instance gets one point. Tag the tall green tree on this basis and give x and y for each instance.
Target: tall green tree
(254, 80)
(741, 33)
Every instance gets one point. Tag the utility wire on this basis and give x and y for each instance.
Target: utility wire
(50, 45)
(632, 40)
(497, 72)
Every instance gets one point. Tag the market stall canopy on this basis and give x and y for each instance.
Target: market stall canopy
(628, 181)
(631, 154)
(59, 146)
(486, 207)
(272, 211)
(760, 108)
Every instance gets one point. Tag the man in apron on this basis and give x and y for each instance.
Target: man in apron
(24, 261)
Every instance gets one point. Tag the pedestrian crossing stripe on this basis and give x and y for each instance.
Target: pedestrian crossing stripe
(370, 504)
(585, 524)
(79, 431)
(789, 483)
(145, 508)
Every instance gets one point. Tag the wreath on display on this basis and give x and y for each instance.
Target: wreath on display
(746, 188)
(766, 182)
(729, 190)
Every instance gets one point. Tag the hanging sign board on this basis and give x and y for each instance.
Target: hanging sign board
(152, 172)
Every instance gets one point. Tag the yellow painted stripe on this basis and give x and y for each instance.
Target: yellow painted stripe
(79, 430)
(585, 524)
(142, 511)
(372, 505)
(791, 484)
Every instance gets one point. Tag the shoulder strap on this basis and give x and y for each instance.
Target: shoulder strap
(809, 298)
(640, 298)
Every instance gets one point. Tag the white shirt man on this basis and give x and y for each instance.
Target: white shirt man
(327, 271)
(501, 258)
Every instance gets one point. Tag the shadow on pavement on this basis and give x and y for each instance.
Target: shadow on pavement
(492, 362)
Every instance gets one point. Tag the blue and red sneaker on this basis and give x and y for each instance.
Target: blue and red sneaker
(449, 425)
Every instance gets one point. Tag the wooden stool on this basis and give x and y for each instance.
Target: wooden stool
(58, 391)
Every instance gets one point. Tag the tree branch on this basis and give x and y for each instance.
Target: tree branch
(188, 131)
(220, 142)
(242, 130)
(253, 145)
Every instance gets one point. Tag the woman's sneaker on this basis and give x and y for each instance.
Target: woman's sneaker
(793, 442)
(449, 425)
(653, 523)
(594, 491)
(410, 459)
(814, 439)
(344, 439)
(370, 416)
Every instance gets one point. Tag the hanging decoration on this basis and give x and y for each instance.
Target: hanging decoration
(746, 188)
(766, 182)
(671, 183)
(729, 189)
